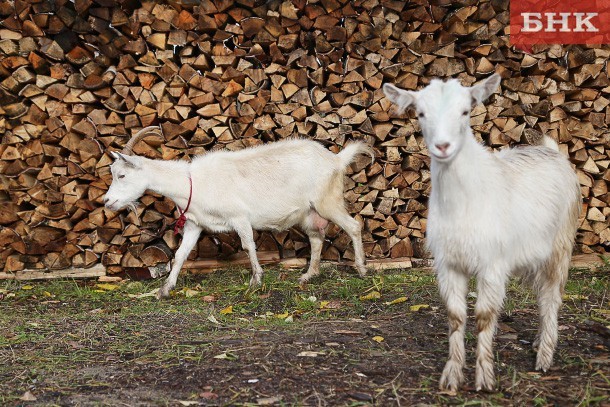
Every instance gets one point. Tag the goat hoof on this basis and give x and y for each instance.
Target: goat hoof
(544, 361)
(452, 377)
(485, 378)
(163, 292)
(362, 271)
(307, 276)
(255, 281)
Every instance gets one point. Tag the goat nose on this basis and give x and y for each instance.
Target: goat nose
(442, 147)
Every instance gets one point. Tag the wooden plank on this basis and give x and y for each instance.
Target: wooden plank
(95, 271)
(580, 261)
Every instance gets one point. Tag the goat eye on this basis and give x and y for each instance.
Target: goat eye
(421, 115)
(121, 176)
(465, 113)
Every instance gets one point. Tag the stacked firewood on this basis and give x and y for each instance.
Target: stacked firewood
(78, 78)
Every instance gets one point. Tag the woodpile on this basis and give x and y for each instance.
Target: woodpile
(77, 78)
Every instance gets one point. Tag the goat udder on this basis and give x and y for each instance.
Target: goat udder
(317, 222)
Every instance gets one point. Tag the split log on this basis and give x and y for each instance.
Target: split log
(77, 81)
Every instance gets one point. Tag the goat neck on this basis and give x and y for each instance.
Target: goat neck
(170, 179)
(464, 178)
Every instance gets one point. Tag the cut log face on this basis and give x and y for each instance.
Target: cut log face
(77, 81)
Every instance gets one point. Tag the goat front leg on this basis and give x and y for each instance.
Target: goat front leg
(490, 297)
(189, 238)
(453, 287)
(244, 230)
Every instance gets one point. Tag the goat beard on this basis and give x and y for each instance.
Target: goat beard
(133, 207)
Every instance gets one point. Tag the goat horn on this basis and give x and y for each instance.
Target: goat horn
(145, 132)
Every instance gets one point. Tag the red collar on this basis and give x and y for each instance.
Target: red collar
(182, 219)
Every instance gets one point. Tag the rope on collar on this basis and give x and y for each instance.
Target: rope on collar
(182, 219)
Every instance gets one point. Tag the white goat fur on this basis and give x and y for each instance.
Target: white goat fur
(491, 216)
(268, 187)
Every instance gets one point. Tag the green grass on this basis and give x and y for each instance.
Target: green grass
(62, 326)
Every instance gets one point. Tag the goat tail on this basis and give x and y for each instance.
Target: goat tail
(351, 150)
(549, 143)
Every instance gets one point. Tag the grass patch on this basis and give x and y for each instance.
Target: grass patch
(354, 339)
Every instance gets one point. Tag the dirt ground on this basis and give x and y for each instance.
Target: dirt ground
(333, 343)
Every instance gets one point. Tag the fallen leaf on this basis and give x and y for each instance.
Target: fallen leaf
(228, 310)
(309, 354)
(508, 337)
(268, 401)
(575, 297)
(378, 339)
(282, 316)
(535, 375)
(28, 396)
(506, 328)
(397, 301)
(27, 287)
(107, 286)
(188, 292)
(213, 319)
(188, 402)
(109, 279)
(417, 307)
(208, 298)
(289, 318)
(227, 356)
(373, 295)
(330, 304)
(208, 395)
(152, 293)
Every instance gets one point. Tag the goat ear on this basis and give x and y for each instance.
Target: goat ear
(130, 160)
(400, 97)
(483, 90)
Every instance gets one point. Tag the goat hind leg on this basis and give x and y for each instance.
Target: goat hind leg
(549, 302)
(453, 287)
(352, 227)
(316, 240)
(189, 238)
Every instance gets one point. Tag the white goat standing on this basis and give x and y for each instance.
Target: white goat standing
(491, 216)
(269, 187)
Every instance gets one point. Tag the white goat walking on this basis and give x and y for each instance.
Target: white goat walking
(492, 216)
(269, 187)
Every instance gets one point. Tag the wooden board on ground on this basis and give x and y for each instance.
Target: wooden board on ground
(590, 261)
